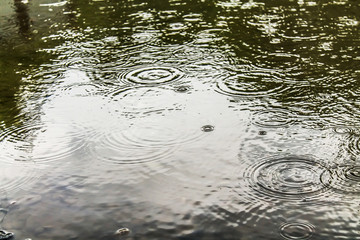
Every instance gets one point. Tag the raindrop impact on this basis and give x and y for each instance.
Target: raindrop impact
(152, 75)
(289, 178)
(41, 142)
(81, 63)
(273, 118)
(251, 86)
(354, 145)
(345, 179)
(296, 230)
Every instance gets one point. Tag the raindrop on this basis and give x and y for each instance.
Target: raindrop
(289, 177)
(296, 230)
(207, 128)
(273, 118)
(152, 75)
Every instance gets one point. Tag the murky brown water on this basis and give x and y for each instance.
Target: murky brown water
(179, 119)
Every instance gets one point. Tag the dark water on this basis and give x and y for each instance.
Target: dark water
(180, 119)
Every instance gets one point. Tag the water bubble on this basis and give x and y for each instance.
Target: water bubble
(152, 75)
(273, 118)
(207, 128)
(296, 230)
(289, 177)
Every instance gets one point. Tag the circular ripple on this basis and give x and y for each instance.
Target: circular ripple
(144, 101)
(144, 141)
(242, 85)
(40, 143)
(81, 63)
(272, 118)
(80, 89)
(152, 75)
(296, 230)
(289, 177)
(16, 176)
(354, 145)
(345, 130)
(345, 179)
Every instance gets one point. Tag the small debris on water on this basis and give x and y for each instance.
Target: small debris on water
(262, 132)
(122, 231)
(4, 235)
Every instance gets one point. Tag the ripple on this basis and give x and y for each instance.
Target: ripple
(354, 145)
(17, 176)
(273, 118)
(245, 85)
(144, 141)
(144, 101)
(40, 143)
(81, 63)
(152, 75)
(345, 179)
(297, 230)
(345, 130)
(289, 178)
(80, 89)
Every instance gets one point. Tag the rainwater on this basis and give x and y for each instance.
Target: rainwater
(179, 119)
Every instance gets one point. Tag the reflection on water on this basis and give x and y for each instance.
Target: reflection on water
(181, 119)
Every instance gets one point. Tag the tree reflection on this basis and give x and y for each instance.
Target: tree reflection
(23, 18)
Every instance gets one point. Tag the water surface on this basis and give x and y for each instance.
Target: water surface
(179, 119)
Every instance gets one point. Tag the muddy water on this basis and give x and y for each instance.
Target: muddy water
(179, 119)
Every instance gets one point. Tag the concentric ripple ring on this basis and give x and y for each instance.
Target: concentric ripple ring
(153, 75)
(242, 85)
(296, 231)
(289, 177)
(345, 179)
(273, 118)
